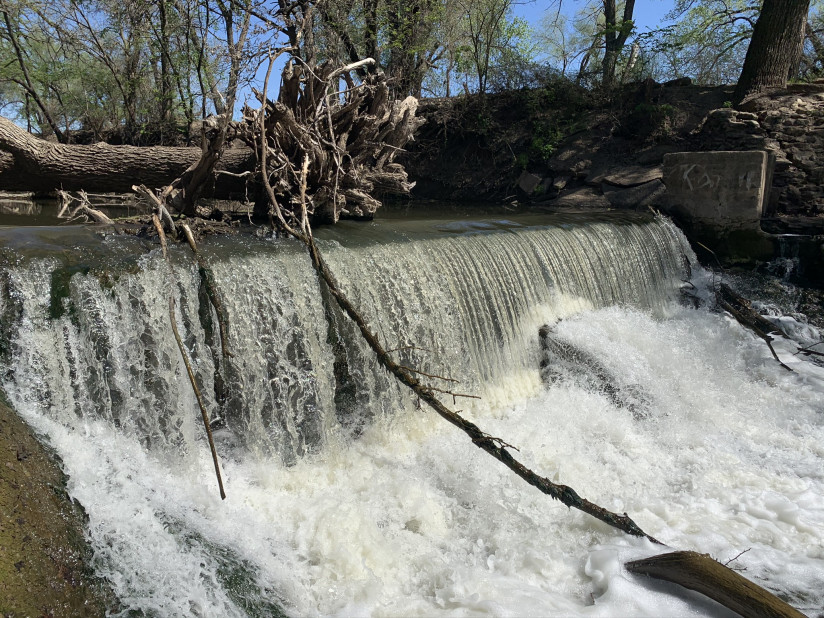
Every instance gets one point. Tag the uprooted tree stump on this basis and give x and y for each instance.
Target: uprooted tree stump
(349, 136)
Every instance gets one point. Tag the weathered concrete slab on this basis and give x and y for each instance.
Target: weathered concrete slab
(726, 190)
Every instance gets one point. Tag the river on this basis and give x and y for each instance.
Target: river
(346, 497)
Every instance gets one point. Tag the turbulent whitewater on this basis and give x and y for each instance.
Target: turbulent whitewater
(345, 497)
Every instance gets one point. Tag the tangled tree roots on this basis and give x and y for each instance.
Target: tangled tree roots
(350, 137)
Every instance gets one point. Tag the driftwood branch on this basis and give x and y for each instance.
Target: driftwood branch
(82, 209)
(808, 350)
(701, 573)
(159, 206)
(173, 320)
(741, 309)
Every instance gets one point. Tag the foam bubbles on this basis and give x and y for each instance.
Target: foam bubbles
(412, 519)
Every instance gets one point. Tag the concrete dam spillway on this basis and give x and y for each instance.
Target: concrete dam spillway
(347, 498)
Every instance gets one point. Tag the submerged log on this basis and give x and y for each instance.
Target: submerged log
(701, 573)
(28, 163)
(561, 360)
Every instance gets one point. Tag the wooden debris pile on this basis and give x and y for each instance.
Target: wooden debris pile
(349, 132)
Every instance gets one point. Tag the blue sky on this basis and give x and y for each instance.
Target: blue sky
(649, 14)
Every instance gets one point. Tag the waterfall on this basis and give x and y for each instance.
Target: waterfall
(344, 497)
(92, 340)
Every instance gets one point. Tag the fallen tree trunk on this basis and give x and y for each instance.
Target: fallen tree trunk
(28, 163)
(701, 573)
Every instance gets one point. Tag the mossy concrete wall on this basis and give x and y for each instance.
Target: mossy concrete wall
(44, 559)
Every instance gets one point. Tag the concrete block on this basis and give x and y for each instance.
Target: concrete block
(723, 190)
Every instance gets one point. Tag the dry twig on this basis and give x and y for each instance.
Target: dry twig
(83, 208)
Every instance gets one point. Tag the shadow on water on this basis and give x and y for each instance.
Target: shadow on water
(28, 209)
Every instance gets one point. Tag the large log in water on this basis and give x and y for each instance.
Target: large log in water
(701, 573)
(28, 163)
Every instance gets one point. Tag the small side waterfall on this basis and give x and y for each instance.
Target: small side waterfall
(89, 339)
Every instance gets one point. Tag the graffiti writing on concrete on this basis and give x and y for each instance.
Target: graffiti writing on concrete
(697, 177)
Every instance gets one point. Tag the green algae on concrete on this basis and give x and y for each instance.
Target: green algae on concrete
(44, 558)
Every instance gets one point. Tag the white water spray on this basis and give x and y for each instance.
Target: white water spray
(344, 499)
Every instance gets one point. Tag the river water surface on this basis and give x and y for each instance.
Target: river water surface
(347, 498)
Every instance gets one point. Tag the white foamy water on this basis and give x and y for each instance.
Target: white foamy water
(723, 454)
(412, 519)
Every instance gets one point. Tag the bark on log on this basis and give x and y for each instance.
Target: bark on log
(701, 573)
(28, 163)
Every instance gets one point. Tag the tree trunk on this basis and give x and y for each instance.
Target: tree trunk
(775, 47)
(28, 163)
(615, 37)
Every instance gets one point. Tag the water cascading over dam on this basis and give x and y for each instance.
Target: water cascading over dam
(327, 461)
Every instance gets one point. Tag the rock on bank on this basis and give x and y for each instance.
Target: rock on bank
(44, 559)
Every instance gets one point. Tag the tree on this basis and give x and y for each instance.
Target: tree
(26, 68)
(616, 34)
(707, 41)
(559, 44)
(397, 34)
(775, 48)
(596, 38)
(134, 71)
(485, 31)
